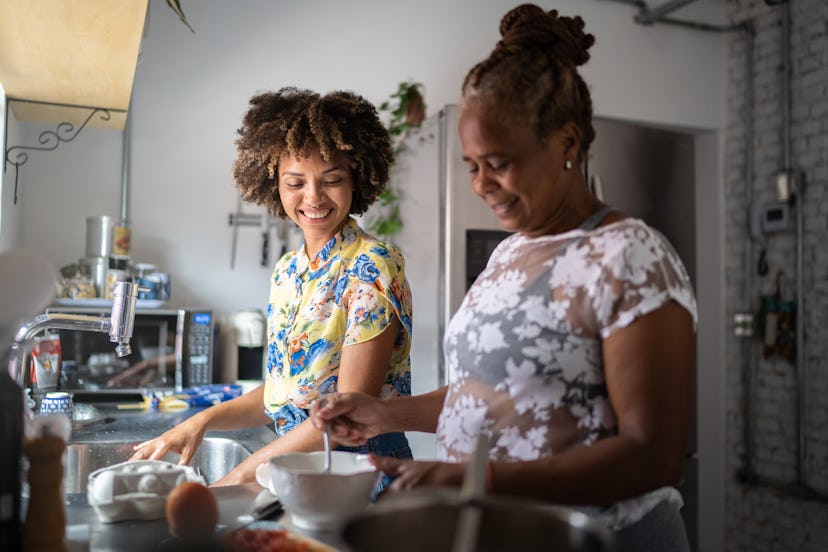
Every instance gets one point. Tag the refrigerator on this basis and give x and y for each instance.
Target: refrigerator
(448, 232)
(437, 207)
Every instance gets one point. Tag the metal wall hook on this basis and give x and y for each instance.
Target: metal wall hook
(49, 140)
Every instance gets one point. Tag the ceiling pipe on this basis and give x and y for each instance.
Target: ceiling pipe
(646, 16)
(649, 16)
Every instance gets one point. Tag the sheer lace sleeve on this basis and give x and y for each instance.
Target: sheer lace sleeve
(640, 272)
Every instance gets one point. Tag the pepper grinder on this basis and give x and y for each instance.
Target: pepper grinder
(45, 526)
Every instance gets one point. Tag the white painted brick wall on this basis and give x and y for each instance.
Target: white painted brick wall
(760, 518)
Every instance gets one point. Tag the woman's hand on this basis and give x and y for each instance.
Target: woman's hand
(185, 438)
(412, 473)
(237, 476)
(353, 418)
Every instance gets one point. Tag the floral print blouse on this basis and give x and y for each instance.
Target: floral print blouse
(523, 351)
(348, 294)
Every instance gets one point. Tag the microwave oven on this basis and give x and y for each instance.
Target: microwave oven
(171, 349)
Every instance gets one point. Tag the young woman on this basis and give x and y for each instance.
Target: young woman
(574, 350)
(339, 313)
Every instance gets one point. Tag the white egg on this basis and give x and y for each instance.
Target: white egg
(146, 468)
(102, 488)
(151, 483)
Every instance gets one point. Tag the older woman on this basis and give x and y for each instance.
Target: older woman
(339, 313)
(574, 350)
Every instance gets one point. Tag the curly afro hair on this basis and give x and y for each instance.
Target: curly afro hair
(301, 122)
(532, 70)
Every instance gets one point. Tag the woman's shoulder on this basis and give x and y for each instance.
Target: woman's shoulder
(628, 239)
(368, 251)
(370, 245)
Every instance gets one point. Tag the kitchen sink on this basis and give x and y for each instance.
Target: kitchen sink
(215, 457)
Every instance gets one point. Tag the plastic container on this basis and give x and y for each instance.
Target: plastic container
(78, 288)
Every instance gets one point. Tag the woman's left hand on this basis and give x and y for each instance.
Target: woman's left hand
(413, 473)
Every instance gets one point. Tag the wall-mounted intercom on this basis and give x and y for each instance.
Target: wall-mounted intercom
(769, 218)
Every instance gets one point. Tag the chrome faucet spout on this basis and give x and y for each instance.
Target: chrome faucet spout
(118, 325)
(124, 295)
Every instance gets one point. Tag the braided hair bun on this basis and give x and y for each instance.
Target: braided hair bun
(531, 76)
(528, 26)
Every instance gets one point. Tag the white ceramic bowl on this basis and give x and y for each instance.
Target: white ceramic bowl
(318, 500)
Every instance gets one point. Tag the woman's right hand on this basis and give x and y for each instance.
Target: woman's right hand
(352, 418)
(184, 439)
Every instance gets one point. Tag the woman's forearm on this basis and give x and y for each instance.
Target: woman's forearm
(417, 413)
(590, 474)
(240, 413)
(302, 438)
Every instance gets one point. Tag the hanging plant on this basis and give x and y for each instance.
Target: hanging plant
(406, 110)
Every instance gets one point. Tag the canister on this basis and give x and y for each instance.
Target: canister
(97, 268)
(99, 236)
(106, 235)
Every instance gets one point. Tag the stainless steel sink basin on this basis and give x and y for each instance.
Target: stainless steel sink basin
(215, 457)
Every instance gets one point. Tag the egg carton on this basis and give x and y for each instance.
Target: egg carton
(136, 490)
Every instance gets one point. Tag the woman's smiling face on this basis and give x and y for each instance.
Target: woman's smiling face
(316, 195)
(520, 178)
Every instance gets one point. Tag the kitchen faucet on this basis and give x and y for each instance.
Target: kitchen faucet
(118, 326)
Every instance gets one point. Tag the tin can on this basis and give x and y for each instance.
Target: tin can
(107, 236)
(97, 268)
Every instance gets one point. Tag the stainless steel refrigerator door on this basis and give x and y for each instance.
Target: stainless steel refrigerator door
(464, 211)
(438, 205)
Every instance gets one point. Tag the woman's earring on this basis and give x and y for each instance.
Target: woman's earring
(568, 164)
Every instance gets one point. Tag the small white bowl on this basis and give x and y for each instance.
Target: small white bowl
(317, 500)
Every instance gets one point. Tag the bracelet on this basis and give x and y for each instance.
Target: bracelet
(489, 477)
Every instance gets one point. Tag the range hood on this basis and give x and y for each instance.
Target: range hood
(61, 60)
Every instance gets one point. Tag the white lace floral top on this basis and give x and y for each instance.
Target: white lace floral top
(523, 351)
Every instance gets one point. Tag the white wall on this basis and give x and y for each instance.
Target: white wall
(191, 91)
(11, 218)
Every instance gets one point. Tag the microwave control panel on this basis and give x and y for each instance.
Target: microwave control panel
(200, 349)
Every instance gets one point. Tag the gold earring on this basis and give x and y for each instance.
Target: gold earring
(568, 164)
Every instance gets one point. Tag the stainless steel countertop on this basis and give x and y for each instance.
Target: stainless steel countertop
(140, 425)
(86, 532)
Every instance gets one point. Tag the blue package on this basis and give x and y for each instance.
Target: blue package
(208, 395)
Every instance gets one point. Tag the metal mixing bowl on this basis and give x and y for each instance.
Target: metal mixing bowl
(425, 520)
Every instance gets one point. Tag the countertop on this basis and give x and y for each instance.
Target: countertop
(141, 425)
(85, 531)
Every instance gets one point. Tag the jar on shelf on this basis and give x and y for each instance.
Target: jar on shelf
(118, 272)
